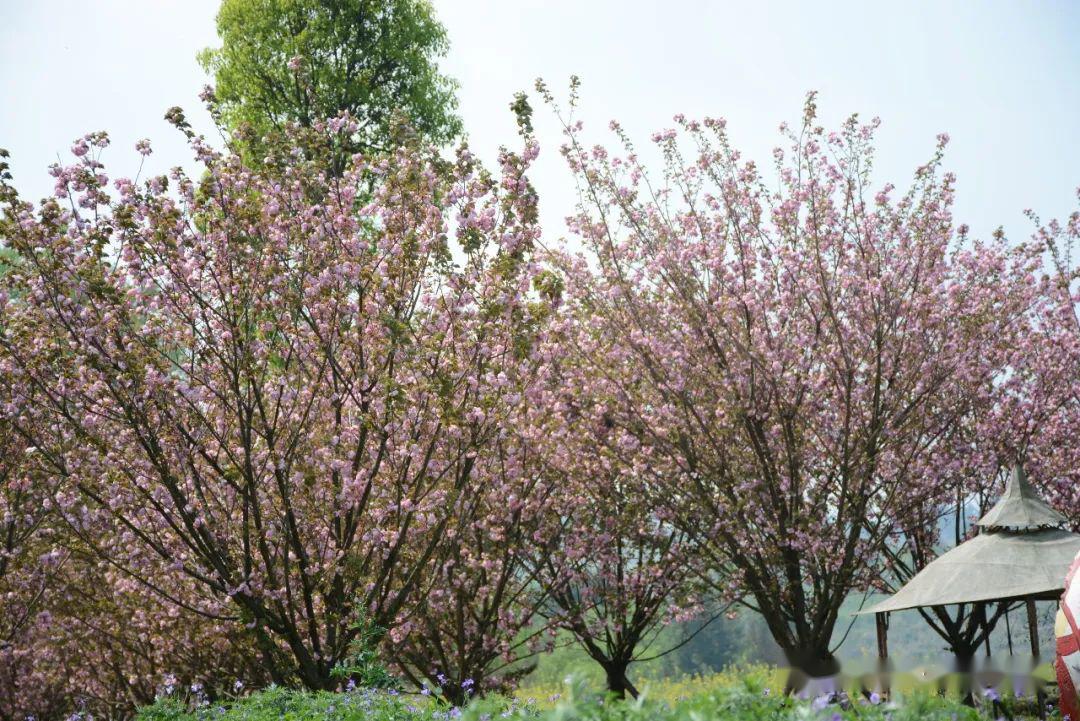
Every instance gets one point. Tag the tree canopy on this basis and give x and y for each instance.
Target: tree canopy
(307, 60)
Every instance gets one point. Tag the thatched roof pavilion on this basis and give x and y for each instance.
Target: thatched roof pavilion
(1021, 552)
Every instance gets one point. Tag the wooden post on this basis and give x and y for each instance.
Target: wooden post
(1033, 628)
(882, 622)
(1033, 634)
(1008, 631)
(882, 636)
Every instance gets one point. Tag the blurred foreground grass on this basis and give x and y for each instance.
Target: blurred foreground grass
(743, 694)
(921, 683)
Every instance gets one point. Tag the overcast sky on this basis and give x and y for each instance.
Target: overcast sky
(1003, 78)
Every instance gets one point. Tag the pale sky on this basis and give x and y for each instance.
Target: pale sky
(1002, 78)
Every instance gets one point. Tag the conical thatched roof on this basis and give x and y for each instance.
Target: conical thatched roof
(992, 566)
(1020, 508)
(1018, 553)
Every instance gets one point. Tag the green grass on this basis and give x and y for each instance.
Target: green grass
(746, 695)
(279, 704)
(546, 692)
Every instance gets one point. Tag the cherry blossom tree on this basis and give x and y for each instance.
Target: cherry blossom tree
(271, 385)
(29, 563)
(480, 622)
(23, 493)
(24, 575)
(799, 343)
(620, 571)
(28, 571)
(620, 577)
(1007, 420)
(77, 633)
(475, 625)
(102, 644)
(1027, 414)
(1060, 365)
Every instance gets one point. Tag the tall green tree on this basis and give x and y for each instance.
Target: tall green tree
(307, 60)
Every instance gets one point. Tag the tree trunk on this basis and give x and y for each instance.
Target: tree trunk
(806, 664)
(964, 657)
(617, 682)
(814, 662)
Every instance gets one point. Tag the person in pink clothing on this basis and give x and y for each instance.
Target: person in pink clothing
(1067, 631)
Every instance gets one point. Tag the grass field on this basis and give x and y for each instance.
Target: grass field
(748, 694)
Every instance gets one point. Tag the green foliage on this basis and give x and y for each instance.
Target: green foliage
(364, 666)
(168, 708)
(374, 58)
(280, 704)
